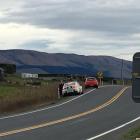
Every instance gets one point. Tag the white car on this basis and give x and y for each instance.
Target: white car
(72, 87)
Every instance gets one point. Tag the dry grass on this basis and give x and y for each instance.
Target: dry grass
(14, 97)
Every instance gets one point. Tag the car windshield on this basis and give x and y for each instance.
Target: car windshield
(69, 84)
(90, 79)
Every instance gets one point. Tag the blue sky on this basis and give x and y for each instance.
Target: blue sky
(89, 27)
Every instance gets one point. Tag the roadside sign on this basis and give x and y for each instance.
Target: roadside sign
(136, 78)
(100, 74)
(100, 77)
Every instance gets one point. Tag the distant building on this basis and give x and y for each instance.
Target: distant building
(29, 75)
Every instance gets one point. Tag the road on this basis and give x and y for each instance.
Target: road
(81, 118)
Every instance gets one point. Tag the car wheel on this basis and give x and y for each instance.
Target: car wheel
(76, 93)
(64, 95)
(97, 87)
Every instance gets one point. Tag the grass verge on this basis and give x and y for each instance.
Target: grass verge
(15, 97)
(132, 134)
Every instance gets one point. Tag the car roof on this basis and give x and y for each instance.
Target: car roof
(73, 82)
(91, 78)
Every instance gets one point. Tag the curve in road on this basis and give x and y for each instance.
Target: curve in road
(114, 98)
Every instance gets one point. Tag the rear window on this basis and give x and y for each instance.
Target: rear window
(90, 79)
(69, 84)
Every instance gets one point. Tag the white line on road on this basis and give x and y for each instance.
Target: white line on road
(43, 109)
(39, 110)
(114, 129)
(113, 99)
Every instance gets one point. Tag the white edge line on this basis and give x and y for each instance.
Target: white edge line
(54, 106)
(114, 129)
(39, 110)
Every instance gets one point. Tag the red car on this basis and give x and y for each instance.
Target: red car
(91, 82)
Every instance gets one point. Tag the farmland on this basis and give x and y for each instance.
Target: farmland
(15, 93)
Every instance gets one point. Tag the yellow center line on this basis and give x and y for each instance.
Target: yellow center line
(67, 118)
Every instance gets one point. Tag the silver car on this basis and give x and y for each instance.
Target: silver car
(72, 88)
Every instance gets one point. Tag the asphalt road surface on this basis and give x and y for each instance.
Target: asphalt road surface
(97, 114)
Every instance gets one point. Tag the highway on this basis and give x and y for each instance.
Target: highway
(98, 114)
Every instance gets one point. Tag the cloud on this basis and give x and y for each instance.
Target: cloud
(117, 18)
(30, 37)
(95, 26)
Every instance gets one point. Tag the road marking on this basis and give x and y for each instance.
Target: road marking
(114, 129)
(47, 108)
(113, 99)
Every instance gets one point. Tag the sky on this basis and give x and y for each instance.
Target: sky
(85, 27)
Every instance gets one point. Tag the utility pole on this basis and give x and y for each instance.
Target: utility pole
(122, 78)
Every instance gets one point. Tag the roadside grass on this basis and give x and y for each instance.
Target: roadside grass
(14, 97)
(6, 91)
(13, 78)
(132, 134)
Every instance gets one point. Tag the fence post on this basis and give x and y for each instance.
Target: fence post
(112, 82)
(58, 93)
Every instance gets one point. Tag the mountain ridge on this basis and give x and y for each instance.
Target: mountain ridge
(61, 63)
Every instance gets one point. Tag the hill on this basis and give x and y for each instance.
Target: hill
(59, 63)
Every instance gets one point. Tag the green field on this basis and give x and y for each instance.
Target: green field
(7, 91)
(132, 134)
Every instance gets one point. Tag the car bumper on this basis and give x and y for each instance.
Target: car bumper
(95, 85)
